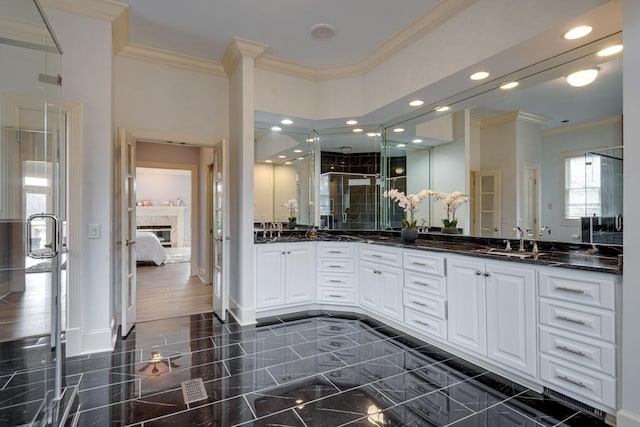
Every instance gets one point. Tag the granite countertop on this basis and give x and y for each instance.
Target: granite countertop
(580, 256)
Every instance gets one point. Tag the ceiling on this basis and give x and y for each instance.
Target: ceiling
(204, 28)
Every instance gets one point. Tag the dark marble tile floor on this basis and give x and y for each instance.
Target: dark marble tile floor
(307, 369)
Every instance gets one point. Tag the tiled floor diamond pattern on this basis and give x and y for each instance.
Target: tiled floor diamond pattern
(309, 369)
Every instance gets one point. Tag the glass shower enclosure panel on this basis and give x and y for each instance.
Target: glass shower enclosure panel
(32, 217)
(349, 201)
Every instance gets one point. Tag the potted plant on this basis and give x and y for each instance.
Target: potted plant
(292, 207)
(409, 203)
(452, 201)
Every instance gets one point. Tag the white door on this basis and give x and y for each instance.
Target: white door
(487, 203)
(300, 273)
(467, 314)
(390, 291)
(127, 239)
(530, 197)
(368, 280)
(270, 276)
(220, 231)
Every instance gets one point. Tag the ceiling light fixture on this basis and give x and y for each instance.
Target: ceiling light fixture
(297, 151)
(611, 50)
(268, 161)
(582, 77)
(509, 85)
(322, 31)
(309, 139)
(358, 130)
(286, 121)
(371, 134)
(282, 157)
(417, 141)
(401, 145)
(276, 128)
(442, 108)
(352, 122)
(480, 75)
(398, 130)
(577, 32)
(345, 150)
(416, 102)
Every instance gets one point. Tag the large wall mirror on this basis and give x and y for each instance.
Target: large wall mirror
(542, 153)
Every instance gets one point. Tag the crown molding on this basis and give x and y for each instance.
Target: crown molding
(22, 31)
(108, 10)
(239, 48)
(533, 118)
(582, 126)
(511, 116)
(174, 59)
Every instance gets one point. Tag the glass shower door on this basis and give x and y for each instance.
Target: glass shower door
(32, 212)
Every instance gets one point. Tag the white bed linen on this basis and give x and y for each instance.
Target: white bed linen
(149, 248)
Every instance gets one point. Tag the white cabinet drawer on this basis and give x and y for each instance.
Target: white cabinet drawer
(580, 350)
(425, 324)
(335, 250)
(337, 280)
(380, 256)
(423, 262)
(582, 320)
(435, 307)
(337, 265)
(336, 295)
(578, 288)
(596, 387)
(426, 284)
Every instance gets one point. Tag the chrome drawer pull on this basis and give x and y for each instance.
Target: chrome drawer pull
(421, 283)
(569, 319)
(421, 304)
(335, 296)
(421, 264)
(335, 266)
(570, 350)
(567, 379)
(376, 256)
(335, 252)
(335, 281)
(576, 291)
(422, 323)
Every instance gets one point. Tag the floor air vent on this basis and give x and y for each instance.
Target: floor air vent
(574, 403)
(193, 390)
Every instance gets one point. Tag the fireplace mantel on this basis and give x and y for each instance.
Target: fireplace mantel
(164, 216)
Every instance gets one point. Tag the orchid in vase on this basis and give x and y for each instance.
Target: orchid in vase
(409, 203)
(292, 207)
(452, 201)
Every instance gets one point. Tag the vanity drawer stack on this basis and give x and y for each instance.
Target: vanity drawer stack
(425, 293)
(336, 273)
(578, 335)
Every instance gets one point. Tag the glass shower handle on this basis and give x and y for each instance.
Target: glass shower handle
(52, 247)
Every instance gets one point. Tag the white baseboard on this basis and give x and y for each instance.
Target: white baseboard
(74, 340)
(627, 418)
(96, 341)
(242, 315)
(203, 275)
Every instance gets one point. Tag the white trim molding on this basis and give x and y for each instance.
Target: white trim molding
(108, 10)
(144, 53)
(244, 316)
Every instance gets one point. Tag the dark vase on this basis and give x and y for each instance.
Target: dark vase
(291, 225)
(450, 230)
(409, 235)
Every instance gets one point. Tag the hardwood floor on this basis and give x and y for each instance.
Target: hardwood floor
(168, 291)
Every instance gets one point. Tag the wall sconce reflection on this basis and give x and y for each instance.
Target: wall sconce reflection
(157, 365)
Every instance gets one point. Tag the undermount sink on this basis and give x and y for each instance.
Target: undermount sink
(510, 254)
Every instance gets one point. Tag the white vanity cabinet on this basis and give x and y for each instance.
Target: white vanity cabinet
(336, 273)
(492, 311)
(380, 279)
(425, 293)
(285, 274)
(578, 332)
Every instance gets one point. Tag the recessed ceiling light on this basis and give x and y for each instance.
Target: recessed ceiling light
(276, 128)
(358, 130)
(582, 77)
(309, 139)
(401, 145)
(398, 130)
(268, 161)
(442, 108)
(282, 157)
(416, 102)
(297, 151)
(300, 158)
(286, 121)
(417, 141)
(287, 163)
(352, 122)
(322, 31)
(371, 134)
(611, 50)
(480, 75)
(509, 85)
(577, 32)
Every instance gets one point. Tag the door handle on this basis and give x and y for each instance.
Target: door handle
(53, 245)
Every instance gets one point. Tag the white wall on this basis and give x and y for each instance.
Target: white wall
(163, 186)
(580, 139)
(86, 71)
(418, 172)
(528, 148)
(263, 192)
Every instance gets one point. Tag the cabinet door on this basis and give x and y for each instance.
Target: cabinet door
(390, 292)
(368, 279)
(270, 279)
(300, 273)
(467, 313)
(511, 317)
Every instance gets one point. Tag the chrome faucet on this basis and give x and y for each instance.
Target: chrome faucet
(516, 230)
(540, 233)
